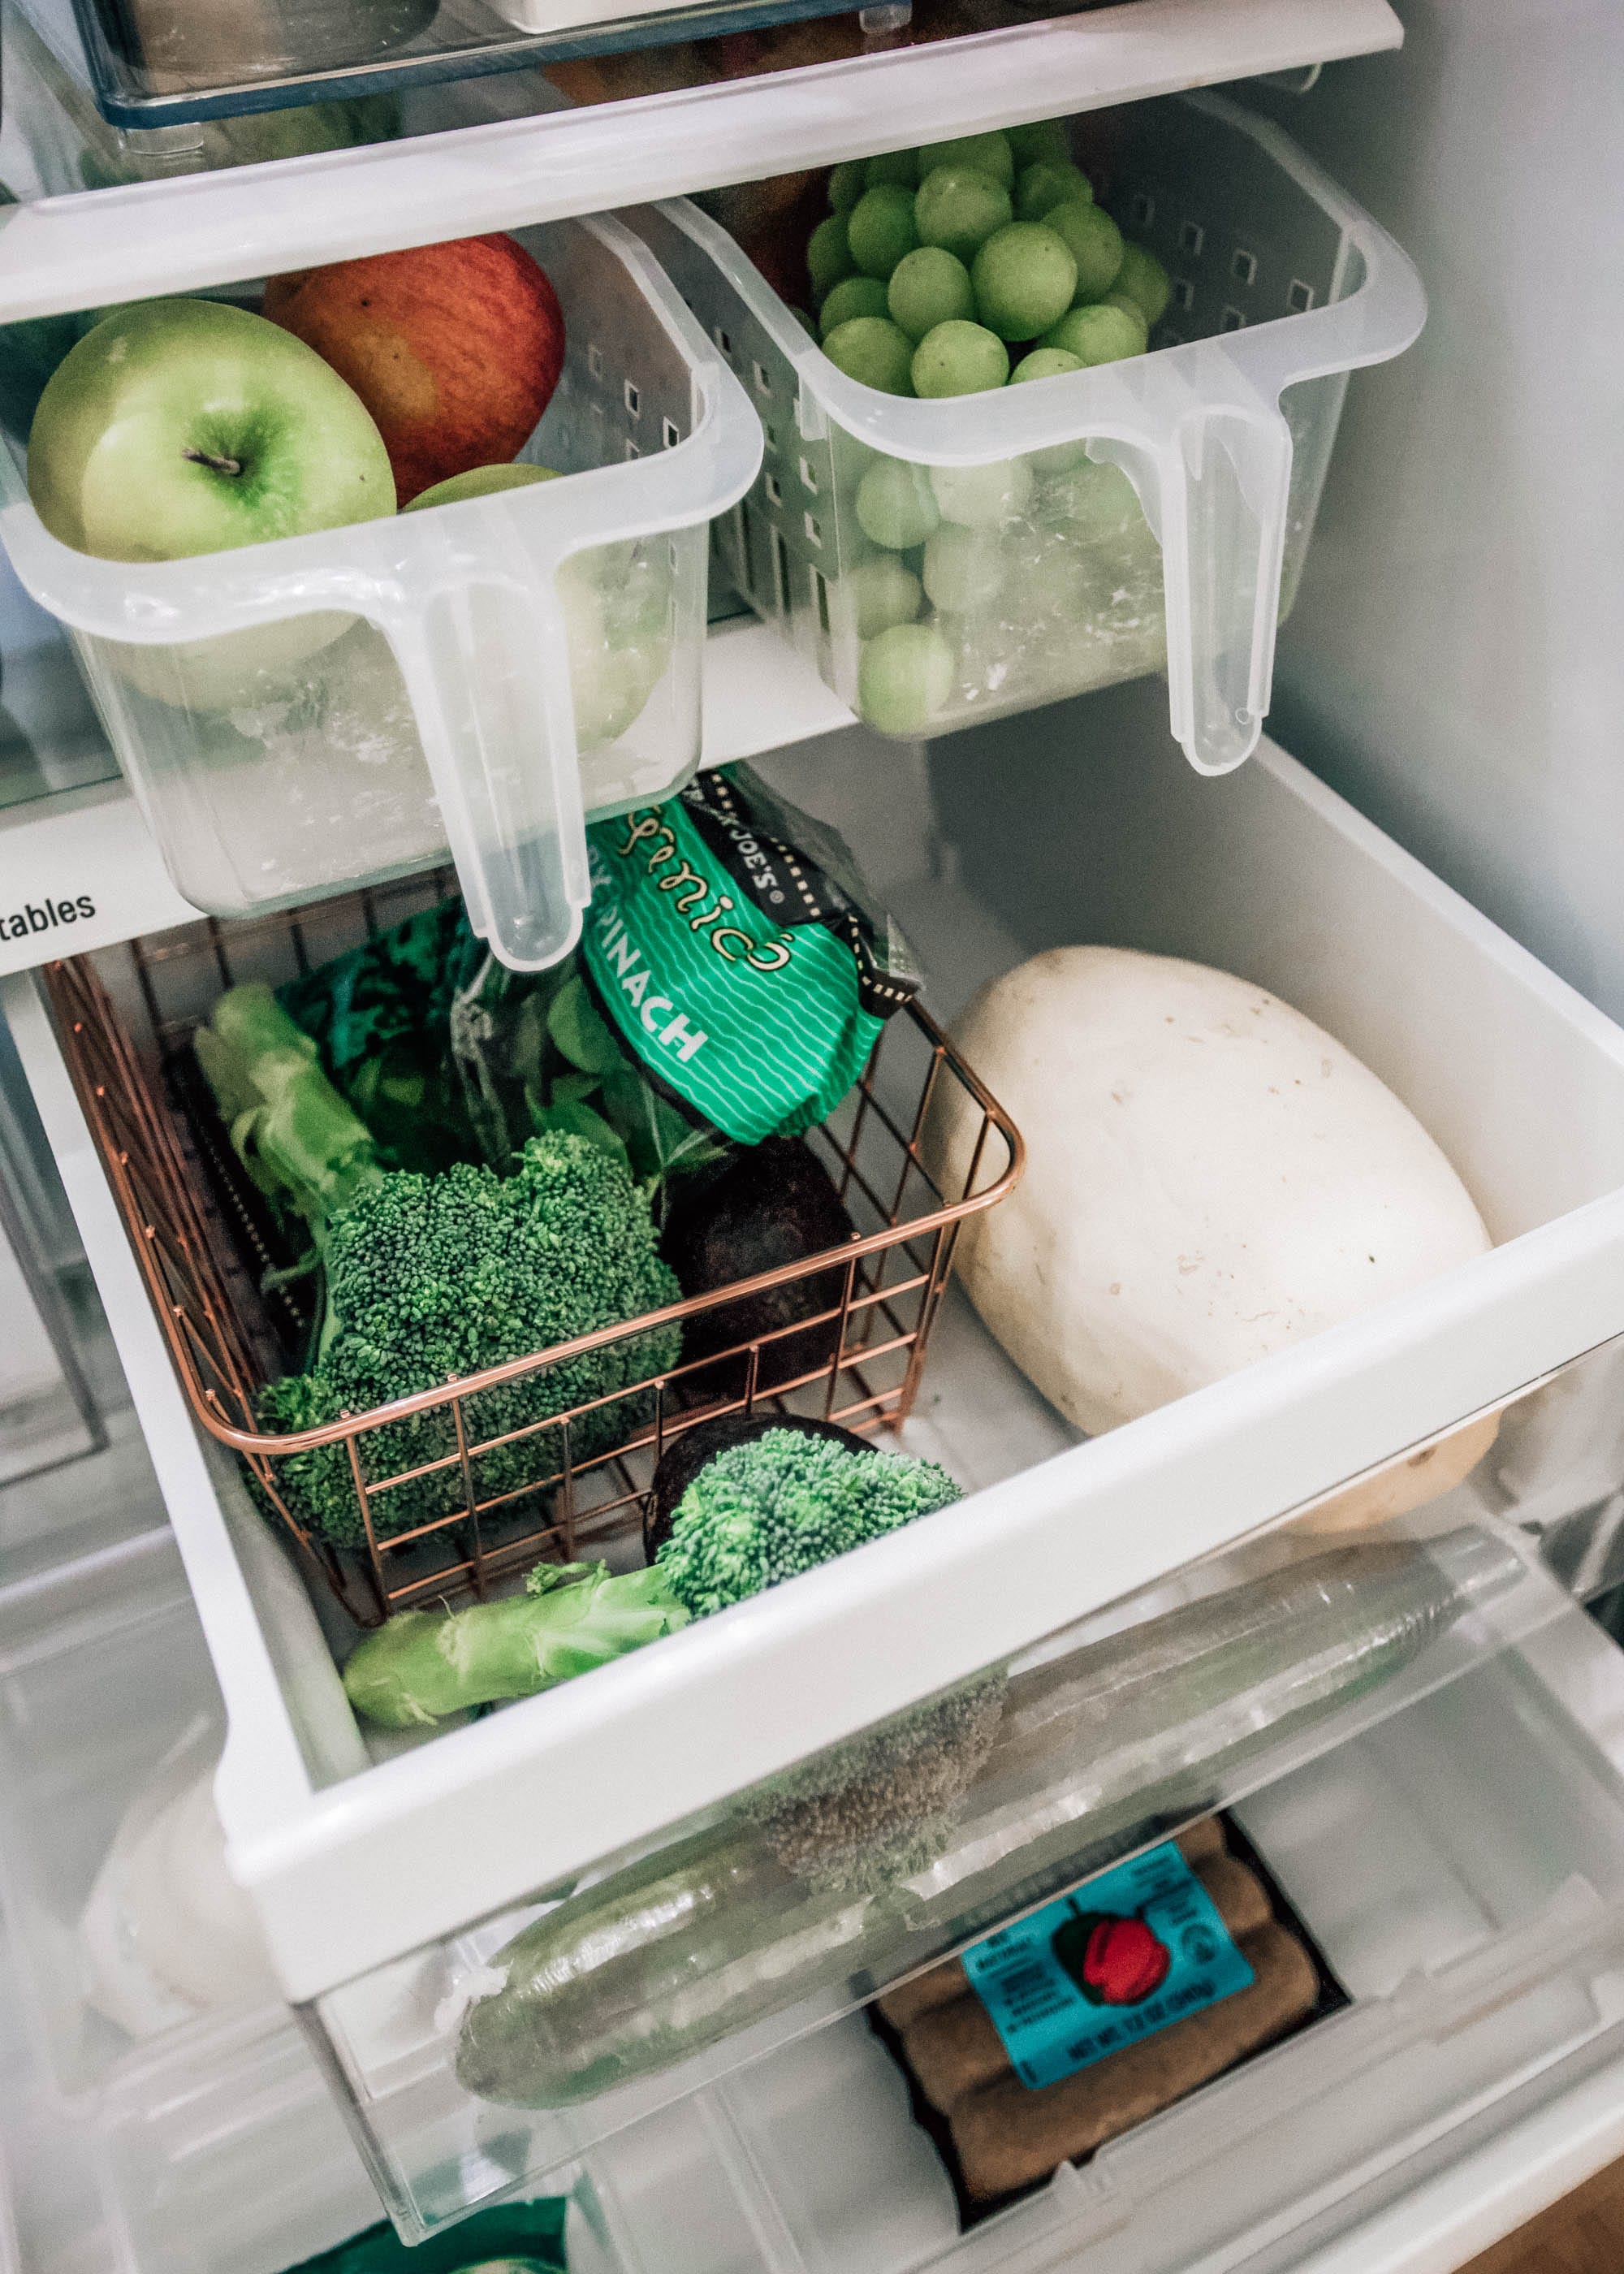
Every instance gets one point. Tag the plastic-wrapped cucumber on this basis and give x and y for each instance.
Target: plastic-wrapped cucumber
(712, 1934)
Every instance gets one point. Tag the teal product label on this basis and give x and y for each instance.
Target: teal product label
(739, 967)
(1133, 1951)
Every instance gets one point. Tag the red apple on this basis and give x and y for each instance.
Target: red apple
(454, 349)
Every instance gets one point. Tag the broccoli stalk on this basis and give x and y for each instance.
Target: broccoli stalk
(422, 1665)
(298, 1140)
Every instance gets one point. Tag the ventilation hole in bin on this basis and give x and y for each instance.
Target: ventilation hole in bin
(780, 571)
(594, 362)
(1184, 293)
(1192, 237)
(1232, 321)
(633, 400)
(763, 378)
(808, 478)
(1243, 268)
(774, 489)
(815, 535)
(747, 544)
(1301, 296)
(820, 588)
(672, 431)
(1141, 210)
(632, 451)
(770, 437)
(722, 340)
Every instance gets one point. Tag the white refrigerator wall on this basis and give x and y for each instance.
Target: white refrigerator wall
(1456, 662)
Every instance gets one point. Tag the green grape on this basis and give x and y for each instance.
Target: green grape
(1132, 309)
(1050, 182)
(852, 296)
(873, 351)
(964, 569)
(1143, 279)
(1044, 362)
(1024, 277)
(1097, 501)
(1045, 137)
(988, 153)
(1053, 577)
(808, 324)
(960, 359)
(829, 255)
(1100, 334)
(881, 229)
(882, 591)
(846, 185)
(896, 504)
(1095, 243)
(984, 496)
(958, 209)
(904, 678)
(928, 287)
(892, 166)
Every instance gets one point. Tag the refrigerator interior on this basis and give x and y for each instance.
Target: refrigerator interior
(1462, 1863)
(1460, 1866)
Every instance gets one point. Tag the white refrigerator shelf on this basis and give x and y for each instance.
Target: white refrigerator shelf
(93, 247)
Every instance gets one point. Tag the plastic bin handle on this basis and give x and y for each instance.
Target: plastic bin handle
(516, 832)
(1226, 480)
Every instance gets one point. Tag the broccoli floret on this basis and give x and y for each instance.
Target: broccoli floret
(873, 1809)
(868, 1810)
(765, 1511)
(433, 1277)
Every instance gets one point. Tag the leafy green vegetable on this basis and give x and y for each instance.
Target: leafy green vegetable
(580, 1030)
(432, 1278)
(449, 1056)
(422, 1665)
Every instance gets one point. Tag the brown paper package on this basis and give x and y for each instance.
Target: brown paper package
(1196, 1843)
(1007, 2135)
(954, 2049)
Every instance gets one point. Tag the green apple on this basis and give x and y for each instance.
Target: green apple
(178, 427)
(479, 481)
(614, 620)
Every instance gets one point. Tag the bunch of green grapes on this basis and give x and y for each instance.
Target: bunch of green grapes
(932, 262)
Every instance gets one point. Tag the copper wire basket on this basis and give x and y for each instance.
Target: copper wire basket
(126, 1018)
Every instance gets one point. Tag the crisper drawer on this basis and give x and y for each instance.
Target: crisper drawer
(1457, 1872)
(388, 1887)
(1457, 1866)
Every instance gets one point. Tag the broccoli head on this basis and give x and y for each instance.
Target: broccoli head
(762, 1512)
(872, 1808)
(433, 1277)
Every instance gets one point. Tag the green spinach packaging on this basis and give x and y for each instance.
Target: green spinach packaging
(730, 942)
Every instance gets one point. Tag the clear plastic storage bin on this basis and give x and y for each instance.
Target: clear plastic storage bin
(1074, 575)
(299, 716)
